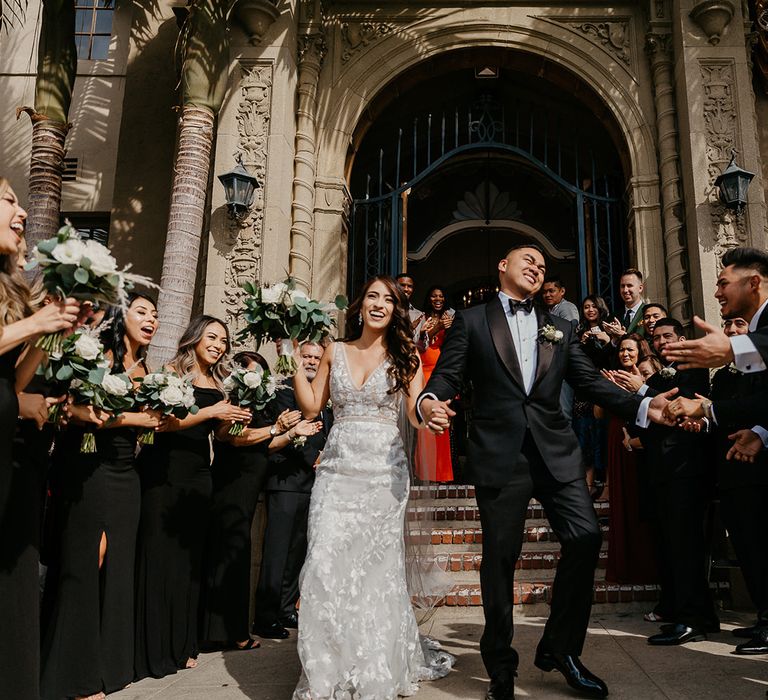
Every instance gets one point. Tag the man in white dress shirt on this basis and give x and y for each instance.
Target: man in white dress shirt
(521, 446)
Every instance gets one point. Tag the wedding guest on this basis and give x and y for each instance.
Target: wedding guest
(88, 644)
(652, 312)
(406, 283)
(631, 557)
(681, 492)
(432, 459)
(175, 497)
(239, 471)
(590, 430)
(21, 471)
(291, 474)
(553, 296)
(630, 317)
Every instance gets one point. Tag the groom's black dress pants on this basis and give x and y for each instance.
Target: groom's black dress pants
(572, 517)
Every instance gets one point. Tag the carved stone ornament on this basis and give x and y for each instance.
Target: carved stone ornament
(243, 261)
(713, 16)
(612, 36)
(357, 35)
(720, 125)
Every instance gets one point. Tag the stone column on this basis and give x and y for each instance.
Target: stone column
(312, 49)
(716, 113)
(659, 49)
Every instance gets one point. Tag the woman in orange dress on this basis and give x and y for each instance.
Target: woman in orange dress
(433, 452)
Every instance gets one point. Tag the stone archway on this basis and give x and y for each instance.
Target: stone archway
(347, 89)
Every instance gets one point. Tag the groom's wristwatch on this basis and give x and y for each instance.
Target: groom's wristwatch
(273, 430)
(706, 406)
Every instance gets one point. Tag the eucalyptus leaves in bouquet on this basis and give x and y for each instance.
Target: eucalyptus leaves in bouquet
(168, 394)
(82, 269)
(79, 358)
(250, 388)
(283, 313)
(113, 394)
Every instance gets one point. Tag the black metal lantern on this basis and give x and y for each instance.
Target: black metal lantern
(240, 187)
(733, 183)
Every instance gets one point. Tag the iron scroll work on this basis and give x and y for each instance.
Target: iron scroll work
(376, 240)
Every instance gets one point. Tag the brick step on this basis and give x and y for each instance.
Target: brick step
(537, 532)
(439, 511)
(535, 593)
(528, 561)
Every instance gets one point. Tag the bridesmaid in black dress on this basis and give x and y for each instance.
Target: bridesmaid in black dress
(176, 491)
(239, 471)
(20, 497)
(88, 621)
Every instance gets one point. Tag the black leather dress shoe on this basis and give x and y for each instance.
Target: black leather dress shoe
(272, 631)
(577, 675)
(672, 635)
(502, 687)
(291, 621)
(746, 632)
(757, 645)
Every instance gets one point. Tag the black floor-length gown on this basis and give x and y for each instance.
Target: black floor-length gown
(176, 493)
(88, 616)
(239, 474)
(23, 465)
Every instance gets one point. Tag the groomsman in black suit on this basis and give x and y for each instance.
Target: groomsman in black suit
(742, 291)
(681, 489)
(521, 446)
(289, 484)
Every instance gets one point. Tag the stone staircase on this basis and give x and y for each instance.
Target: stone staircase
(447, 518)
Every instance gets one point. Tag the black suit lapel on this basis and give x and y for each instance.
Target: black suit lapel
(502, 339)
(546, 350)
(762, 322)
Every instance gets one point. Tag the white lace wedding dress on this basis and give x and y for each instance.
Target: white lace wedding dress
(358, 637)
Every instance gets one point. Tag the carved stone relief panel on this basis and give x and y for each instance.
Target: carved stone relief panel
(612, 34)
(243, 261)
(722, 138)
(357, 35)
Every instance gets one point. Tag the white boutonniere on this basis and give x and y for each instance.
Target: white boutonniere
(329, 405)
(667, 372)
(299, 441)
(550, 334)
(733, 369)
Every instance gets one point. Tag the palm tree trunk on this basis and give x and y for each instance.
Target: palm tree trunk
(185, 225)
(56, 70)
(204, 53)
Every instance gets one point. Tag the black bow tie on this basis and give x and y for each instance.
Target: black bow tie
(525, 305)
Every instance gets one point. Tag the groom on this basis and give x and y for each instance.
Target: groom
(521, 446)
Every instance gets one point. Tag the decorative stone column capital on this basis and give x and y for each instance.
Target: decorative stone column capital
(312, 48)
(658, 43)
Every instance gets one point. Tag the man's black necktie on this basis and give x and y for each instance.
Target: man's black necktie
(525, 305)
(627, 318)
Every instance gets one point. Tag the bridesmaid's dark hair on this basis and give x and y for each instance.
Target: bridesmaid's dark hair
(184, 362)
(401, 350)
(428, 300)
(244, 358)
(113, 335)
(603, 313)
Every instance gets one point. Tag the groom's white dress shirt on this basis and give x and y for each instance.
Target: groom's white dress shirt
(746, 358)
(524, 327)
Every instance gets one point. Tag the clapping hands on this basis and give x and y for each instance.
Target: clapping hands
(747, 444)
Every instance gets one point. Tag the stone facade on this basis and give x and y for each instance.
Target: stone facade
(302, 95)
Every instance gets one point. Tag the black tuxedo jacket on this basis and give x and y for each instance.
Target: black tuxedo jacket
(733, 386)
(479, 348)
(750, 406)
(293, 468)
(674, 453)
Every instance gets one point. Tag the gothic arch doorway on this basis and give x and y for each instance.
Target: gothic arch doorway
(453, 164)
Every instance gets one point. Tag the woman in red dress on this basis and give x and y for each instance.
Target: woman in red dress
(433, 452)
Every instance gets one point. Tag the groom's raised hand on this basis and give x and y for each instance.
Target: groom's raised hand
(436, 414)
(656, 409)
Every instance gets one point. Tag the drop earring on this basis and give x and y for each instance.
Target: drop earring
(360, 318)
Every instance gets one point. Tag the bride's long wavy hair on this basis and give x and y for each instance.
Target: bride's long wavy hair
(401, 350)
(185, 362)
(15, 296)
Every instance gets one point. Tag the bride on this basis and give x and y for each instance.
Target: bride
(358, 637)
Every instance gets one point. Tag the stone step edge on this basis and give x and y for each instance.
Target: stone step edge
(438, 513)
(531, 593)
(471, 561)
(435, 536)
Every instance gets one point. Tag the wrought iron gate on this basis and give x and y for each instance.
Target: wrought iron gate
(376, 241)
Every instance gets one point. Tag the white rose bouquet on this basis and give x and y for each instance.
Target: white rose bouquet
(250, 388)
(167, 393)
(85, 270)
(80, 358)
(283, 313)
(114, 394)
